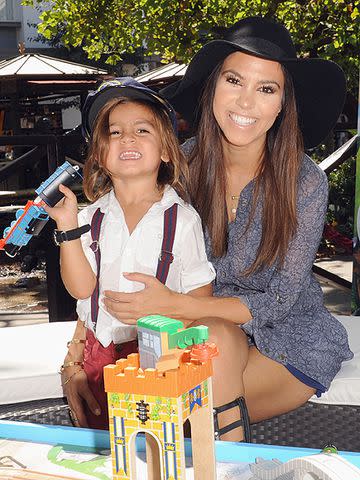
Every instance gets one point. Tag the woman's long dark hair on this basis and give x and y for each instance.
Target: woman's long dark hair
(276, 180)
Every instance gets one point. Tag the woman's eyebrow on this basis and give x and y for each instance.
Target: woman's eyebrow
(267, 82)
(234, 72)
(262, 82)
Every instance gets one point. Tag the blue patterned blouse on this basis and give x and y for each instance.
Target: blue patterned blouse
(290, 323)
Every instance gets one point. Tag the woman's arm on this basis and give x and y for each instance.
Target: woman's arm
(76, 272)
(202, 307)
(205, 291)
(196, 304)
(276, 302)
(158, 299)
(280, 294)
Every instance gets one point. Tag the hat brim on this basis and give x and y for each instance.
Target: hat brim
(320, 87)
(115, 92)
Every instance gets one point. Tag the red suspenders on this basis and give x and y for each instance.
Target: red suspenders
(166, 256)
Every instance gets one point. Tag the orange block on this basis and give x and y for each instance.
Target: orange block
(127, 377)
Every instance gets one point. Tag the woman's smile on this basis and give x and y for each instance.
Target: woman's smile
(241, 120)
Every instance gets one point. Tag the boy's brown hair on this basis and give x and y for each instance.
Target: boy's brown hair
(97, 180)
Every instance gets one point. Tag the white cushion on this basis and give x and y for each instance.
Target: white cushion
(345, 388)
(30, 359)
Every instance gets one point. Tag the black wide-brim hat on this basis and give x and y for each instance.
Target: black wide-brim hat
(320, 86)
(116, 88)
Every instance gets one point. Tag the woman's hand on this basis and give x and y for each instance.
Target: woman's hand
(65, 211)
(77, 391)
(155, 298)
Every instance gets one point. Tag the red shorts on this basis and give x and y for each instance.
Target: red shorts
(96, 357)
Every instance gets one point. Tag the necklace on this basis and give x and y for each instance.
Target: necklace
(235, 200)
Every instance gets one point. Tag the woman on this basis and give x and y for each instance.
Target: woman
(262, 202)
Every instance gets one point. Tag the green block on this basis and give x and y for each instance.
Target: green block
(188, 337)
(159, 323)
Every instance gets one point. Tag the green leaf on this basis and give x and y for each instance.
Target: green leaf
(176, 30)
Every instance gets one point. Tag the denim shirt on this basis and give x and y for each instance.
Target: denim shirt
(290, 323)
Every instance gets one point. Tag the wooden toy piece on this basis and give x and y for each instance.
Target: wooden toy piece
(7, 473)
(323, 466)
(155, 392)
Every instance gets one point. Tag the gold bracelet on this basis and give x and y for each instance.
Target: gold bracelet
(70, 364)
(67, 380)
(76, 341)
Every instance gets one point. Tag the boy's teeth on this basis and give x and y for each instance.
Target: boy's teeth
(129, 154)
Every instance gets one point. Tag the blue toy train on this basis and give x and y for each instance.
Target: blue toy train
(31, 219)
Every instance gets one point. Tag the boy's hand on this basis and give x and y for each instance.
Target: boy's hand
(65, 211)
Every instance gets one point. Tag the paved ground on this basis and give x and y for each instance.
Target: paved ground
(21, 306)
(336, 297)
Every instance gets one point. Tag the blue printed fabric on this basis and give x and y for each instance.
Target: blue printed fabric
(290, 323)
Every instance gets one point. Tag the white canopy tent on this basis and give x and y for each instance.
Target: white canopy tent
(164, 75)
(34, 64)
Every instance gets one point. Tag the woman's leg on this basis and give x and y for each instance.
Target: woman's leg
(268, 387)
(227, 370)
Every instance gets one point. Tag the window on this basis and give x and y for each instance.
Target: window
(6, 10)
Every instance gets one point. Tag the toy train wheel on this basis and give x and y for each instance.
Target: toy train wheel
(19, 213)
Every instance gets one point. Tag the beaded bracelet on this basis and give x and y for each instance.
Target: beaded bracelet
(67, 380)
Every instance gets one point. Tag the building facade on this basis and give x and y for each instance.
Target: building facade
(17, 25)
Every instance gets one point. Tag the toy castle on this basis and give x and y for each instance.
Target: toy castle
(154, 392)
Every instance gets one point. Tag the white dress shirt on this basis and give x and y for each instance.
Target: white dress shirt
(139, 252)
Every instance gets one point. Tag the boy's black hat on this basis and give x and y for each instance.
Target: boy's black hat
(319, 84)
(121, 87)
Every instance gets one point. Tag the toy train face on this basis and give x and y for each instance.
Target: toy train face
(66, 175)
(29, 223)
(31, 219)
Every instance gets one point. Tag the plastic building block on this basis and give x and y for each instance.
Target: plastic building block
(188, 337)
(160, 323)
(203, 352)
(158, 400)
